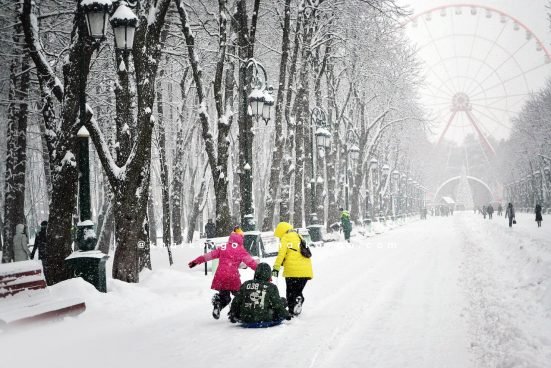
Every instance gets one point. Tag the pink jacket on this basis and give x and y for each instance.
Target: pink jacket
(231, 255)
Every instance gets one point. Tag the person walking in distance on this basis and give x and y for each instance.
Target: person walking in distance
(510, 214)
(346, 224)
(210, 229)
(539, 218)
(40, 242)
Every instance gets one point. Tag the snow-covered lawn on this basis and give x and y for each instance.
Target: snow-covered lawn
(447, 292)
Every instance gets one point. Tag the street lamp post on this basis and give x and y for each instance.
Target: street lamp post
(394, 196)
(385, 171)
(321, 139)
(373, 165)
(354, 153)
(260, 102)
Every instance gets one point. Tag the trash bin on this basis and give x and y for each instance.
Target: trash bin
(90, 265)
(316, 234)
(253, 243)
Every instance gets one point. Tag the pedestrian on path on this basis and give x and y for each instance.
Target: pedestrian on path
(510, 213)
(490, 210)
(40, 242)
(297, 269)
(20, 244)
(346, 224)
(539, 218)
(226, 278)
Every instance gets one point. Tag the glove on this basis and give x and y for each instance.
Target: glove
(192, 264)
(275, 273)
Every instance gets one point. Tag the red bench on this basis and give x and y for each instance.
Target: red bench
(24, 297)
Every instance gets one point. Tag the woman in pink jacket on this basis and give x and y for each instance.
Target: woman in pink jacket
(226, 279)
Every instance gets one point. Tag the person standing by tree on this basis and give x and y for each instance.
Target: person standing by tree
(20, 244)
(210, 229)
(40, 241)
(346, 224)
(510, 213)
(297, 268)
(539, 218)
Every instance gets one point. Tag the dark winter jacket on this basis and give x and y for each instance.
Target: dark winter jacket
(258, 300)
(210, 230)
(346, 222)
(40, 244)
(538, 213)
(510, 212)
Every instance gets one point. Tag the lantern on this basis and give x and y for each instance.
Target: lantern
(396, 175)
(386, 169)
(267, 107)
(354, 152)
(256, 102)
(323, 138)
(124, 23)
(95, 12)
(373, 163)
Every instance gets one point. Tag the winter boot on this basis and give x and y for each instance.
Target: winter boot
(216, 306)
(298, 307)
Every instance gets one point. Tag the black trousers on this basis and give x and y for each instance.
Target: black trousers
(224, 296)
(295, 286)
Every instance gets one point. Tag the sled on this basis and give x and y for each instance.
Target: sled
(261, 324)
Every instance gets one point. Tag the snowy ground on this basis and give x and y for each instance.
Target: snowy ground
(446, 292)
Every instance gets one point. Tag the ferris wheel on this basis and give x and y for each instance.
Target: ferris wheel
(481, 65)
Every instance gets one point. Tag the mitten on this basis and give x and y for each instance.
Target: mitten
(192, 264)
(275, 273)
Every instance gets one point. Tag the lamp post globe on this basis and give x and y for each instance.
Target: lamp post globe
(373, 163)
(124, 23)
(354, 152)
(256, 102)
(95, 12)
(396, 175)
(323, 138)
(267, 106)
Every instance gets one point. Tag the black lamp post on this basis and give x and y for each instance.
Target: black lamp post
(260, 102)
(385, 173)
(352, 156)
(373, 168)
(394, 196)
(321, 139)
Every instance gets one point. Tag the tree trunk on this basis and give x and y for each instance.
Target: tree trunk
(165, 180)
(275, 169)
(16, 158)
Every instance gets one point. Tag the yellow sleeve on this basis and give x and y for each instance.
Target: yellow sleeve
(280, 255)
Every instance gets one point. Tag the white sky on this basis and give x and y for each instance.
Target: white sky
(497, 68)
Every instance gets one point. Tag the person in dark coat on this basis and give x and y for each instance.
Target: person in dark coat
(258, 300)
(499, 210)
(510, 213)
(346, 224)
(210, 229)
(490, 210)
(539, 218)
(40, 241)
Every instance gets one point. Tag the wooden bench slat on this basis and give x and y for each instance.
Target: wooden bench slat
(25, 297)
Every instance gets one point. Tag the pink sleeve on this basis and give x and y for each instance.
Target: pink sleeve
(208, 256)
(249, 261)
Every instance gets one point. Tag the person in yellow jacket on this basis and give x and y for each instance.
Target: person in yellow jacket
(297, 269)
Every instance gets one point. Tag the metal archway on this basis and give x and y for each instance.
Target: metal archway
(456, 178)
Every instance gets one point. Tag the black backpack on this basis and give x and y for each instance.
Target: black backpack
(304, 249)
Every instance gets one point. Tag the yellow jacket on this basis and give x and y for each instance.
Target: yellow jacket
(294, 264)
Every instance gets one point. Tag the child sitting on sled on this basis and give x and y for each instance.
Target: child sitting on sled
(258, 304)
(226, 278)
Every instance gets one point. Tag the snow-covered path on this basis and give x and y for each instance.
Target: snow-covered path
(446, 292)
